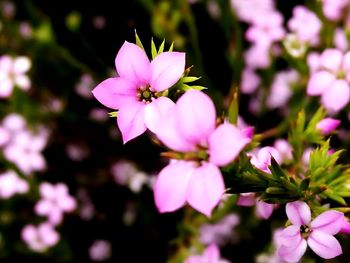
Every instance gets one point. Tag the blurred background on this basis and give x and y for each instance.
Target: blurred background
(62, 159)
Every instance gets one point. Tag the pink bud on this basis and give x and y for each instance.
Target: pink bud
(327, 125)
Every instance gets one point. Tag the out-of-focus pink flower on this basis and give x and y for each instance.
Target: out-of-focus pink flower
(136, 92)
(331, 79)
(40, 238)
(318, 234)
(24, 147)
(284, 149)
(281, 89)
(250, 81)
(13, 73)
(211, 254)
(190, 127)
(220, 232)
(266, 29)
(306, 25)
(26, 30)
(262, 209)
(333, 9)
(327, 125)
(84, 86)
(258, 56)
(99, 22)
(246, 10)
(100, 250)
(55, 200)
(11, 184)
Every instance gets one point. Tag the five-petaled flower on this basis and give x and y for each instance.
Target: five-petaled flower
(137, 92)
(317, 234)
(190, 128)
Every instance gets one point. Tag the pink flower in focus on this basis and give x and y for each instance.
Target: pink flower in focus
(211, 254)
(13, 73)
(305, 24)
(40, 238)
(318, 233)
(190, 128)
(261, 158)
(136, 92)
(331, 79)
(327, 125)
(55, 200)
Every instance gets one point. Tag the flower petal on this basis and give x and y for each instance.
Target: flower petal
(298, 213)
(212, 253)
(195, 116)
(169, 134)
(167, 69)
(206, 188)
(324, 245)
(290, 236)
(21, 65)
(131, 121)
(319, 82)
(225, 143)
(133, 64)
(114, 93)
(331, 59)
(263, 209)
(337, 96)
(171, 187)
(292, 254)
(156, 111)
(329, 222)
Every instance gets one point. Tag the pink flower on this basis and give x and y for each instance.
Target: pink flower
(40, 238)
(190, 128)
(305, 24)
(330, 79)
(333, 9)
(250, 81)
(317, 234)
(262, 209)
(100, 250)
(327, 125)
(261, 158)
(211, 254)
(13, 73)
(136, 92)
(55, 201)
(11, 184)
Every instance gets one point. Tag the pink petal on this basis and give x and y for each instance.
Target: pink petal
(47, 190)
(212, 253)
(290, 236)
(331, 59)
(167, 69)
(298, 213)
(195, 116)
(345, 229)
(319, 82)
(206, 188)
(327, 125)
(114, 93)
(21, 65)
(169, 134)
(324, 245)
(337, 96)
(43, 207)
(156, 111)
(171, 187)
(225, 144)
(263, 209)
(133, 64)
(292, 254)
(246, 199)
(6, 88)
(329, 222)
(131, 121)
(346, 65)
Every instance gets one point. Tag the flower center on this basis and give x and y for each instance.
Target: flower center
(305, 231)
(145, 94)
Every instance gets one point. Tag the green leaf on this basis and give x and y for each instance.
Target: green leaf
(189, 79)
(138, 41)
(153, 49)
(161, 48)
(334, 196)
(233, 108)
(276, 170)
